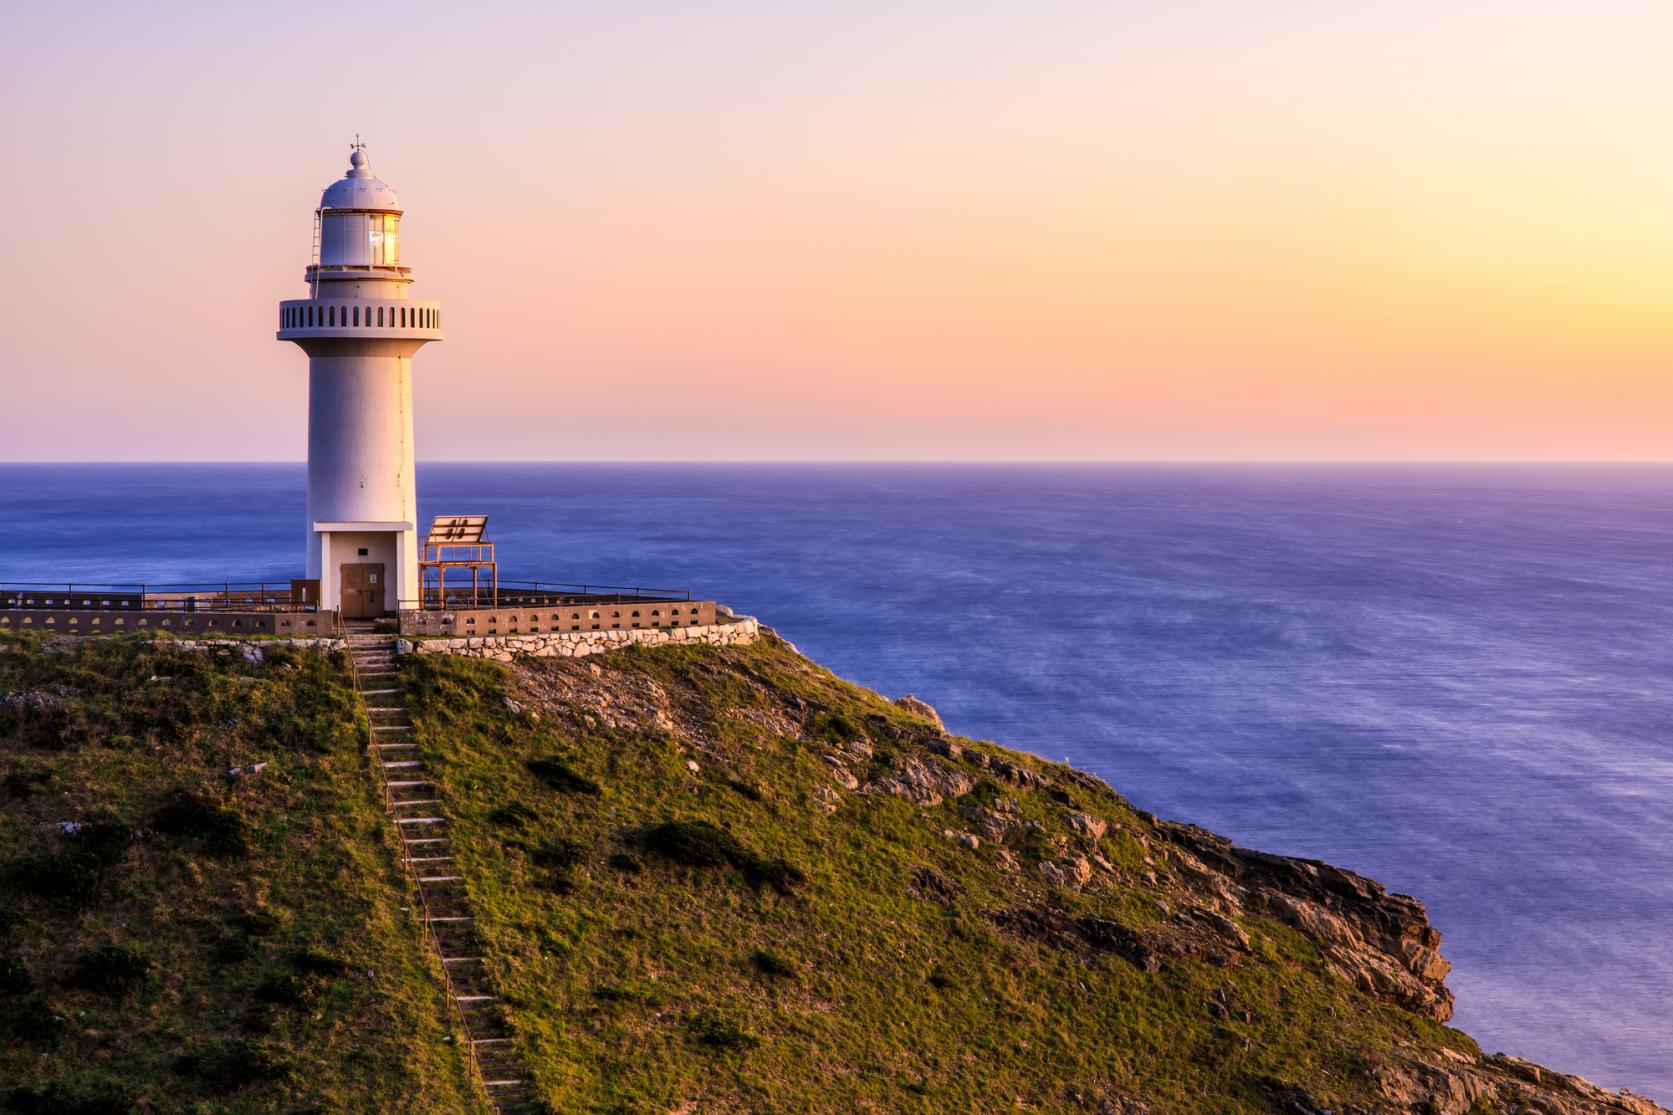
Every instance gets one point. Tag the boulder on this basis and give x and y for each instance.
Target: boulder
(1085, 824)
(924, 709)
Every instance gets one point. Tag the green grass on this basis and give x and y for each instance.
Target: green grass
(665, 937)
(203, 943)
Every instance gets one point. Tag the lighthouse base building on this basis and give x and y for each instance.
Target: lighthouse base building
(360, 330)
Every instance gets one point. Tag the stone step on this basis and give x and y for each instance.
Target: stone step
(377, 692)
(403, 763)
(441, 878)
(421, 820)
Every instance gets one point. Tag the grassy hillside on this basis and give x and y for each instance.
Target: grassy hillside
(729, 881)
(191, 941)
(706, 881)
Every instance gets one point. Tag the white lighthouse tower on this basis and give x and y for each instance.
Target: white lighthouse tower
(360, 331)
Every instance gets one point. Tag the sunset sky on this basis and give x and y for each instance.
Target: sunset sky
(955, 230)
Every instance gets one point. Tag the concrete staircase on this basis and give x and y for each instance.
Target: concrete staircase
(412, 798)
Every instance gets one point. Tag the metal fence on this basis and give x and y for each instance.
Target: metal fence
(223, 596)
(544, 594)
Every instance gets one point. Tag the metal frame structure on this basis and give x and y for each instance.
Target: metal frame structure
(458, 542)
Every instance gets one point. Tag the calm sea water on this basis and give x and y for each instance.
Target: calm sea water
(1457, 680)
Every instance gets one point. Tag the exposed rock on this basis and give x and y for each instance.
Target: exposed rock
(1071, 874)
(1085, 824)
(923, 781)
(840, 772)
(916, 707)
(989, 823)
(1381, 943)
(929, 883)
(948, 748)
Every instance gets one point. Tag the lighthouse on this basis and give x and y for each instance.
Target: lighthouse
(360, 329)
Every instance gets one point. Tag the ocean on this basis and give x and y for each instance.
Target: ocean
(1456, 679)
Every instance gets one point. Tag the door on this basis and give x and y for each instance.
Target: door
(362, 596)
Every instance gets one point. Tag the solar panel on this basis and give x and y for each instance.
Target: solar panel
(449, 530)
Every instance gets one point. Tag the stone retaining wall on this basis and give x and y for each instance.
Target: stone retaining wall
(576, 615)
(741, 632)
(252, 648)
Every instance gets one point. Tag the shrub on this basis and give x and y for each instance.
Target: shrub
(308, 962)
(309, 971)
(626, 862)
(694, 843)
(253, 923)
(561, 776)
(705, 844)
(53, 1100)
(560, 851)
(230, 1067)
(286, 990)
(772, 964)
(780, 874)
(14, 977)
(103, 841)
(833, 726)
(220, 830)
(513, 814)
(56, 875)
(719, 1032)
(24, 783)
(744, 789)
(112, 970)
(29, 1020)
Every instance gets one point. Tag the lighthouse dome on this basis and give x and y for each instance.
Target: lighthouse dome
(359, 189)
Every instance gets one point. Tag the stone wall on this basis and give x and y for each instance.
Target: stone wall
(741, 632)
(575, 616)
(253, 648)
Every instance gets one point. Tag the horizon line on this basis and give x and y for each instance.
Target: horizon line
(903, 461)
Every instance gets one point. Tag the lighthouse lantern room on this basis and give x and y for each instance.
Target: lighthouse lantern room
(360, 330)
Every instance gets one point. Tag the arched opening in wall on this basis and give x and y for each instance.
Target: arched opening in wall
(380, 315)
(403, 317)
(355, 316)
(331, 315)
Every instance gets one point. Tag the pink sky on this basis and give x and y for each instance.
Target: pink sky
(861, 230)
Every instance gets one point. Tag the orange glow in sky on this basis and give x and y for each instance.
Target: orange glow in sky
(954, 230)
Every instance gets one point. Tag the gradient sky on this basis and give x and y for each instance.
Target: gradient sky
(858, 230)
